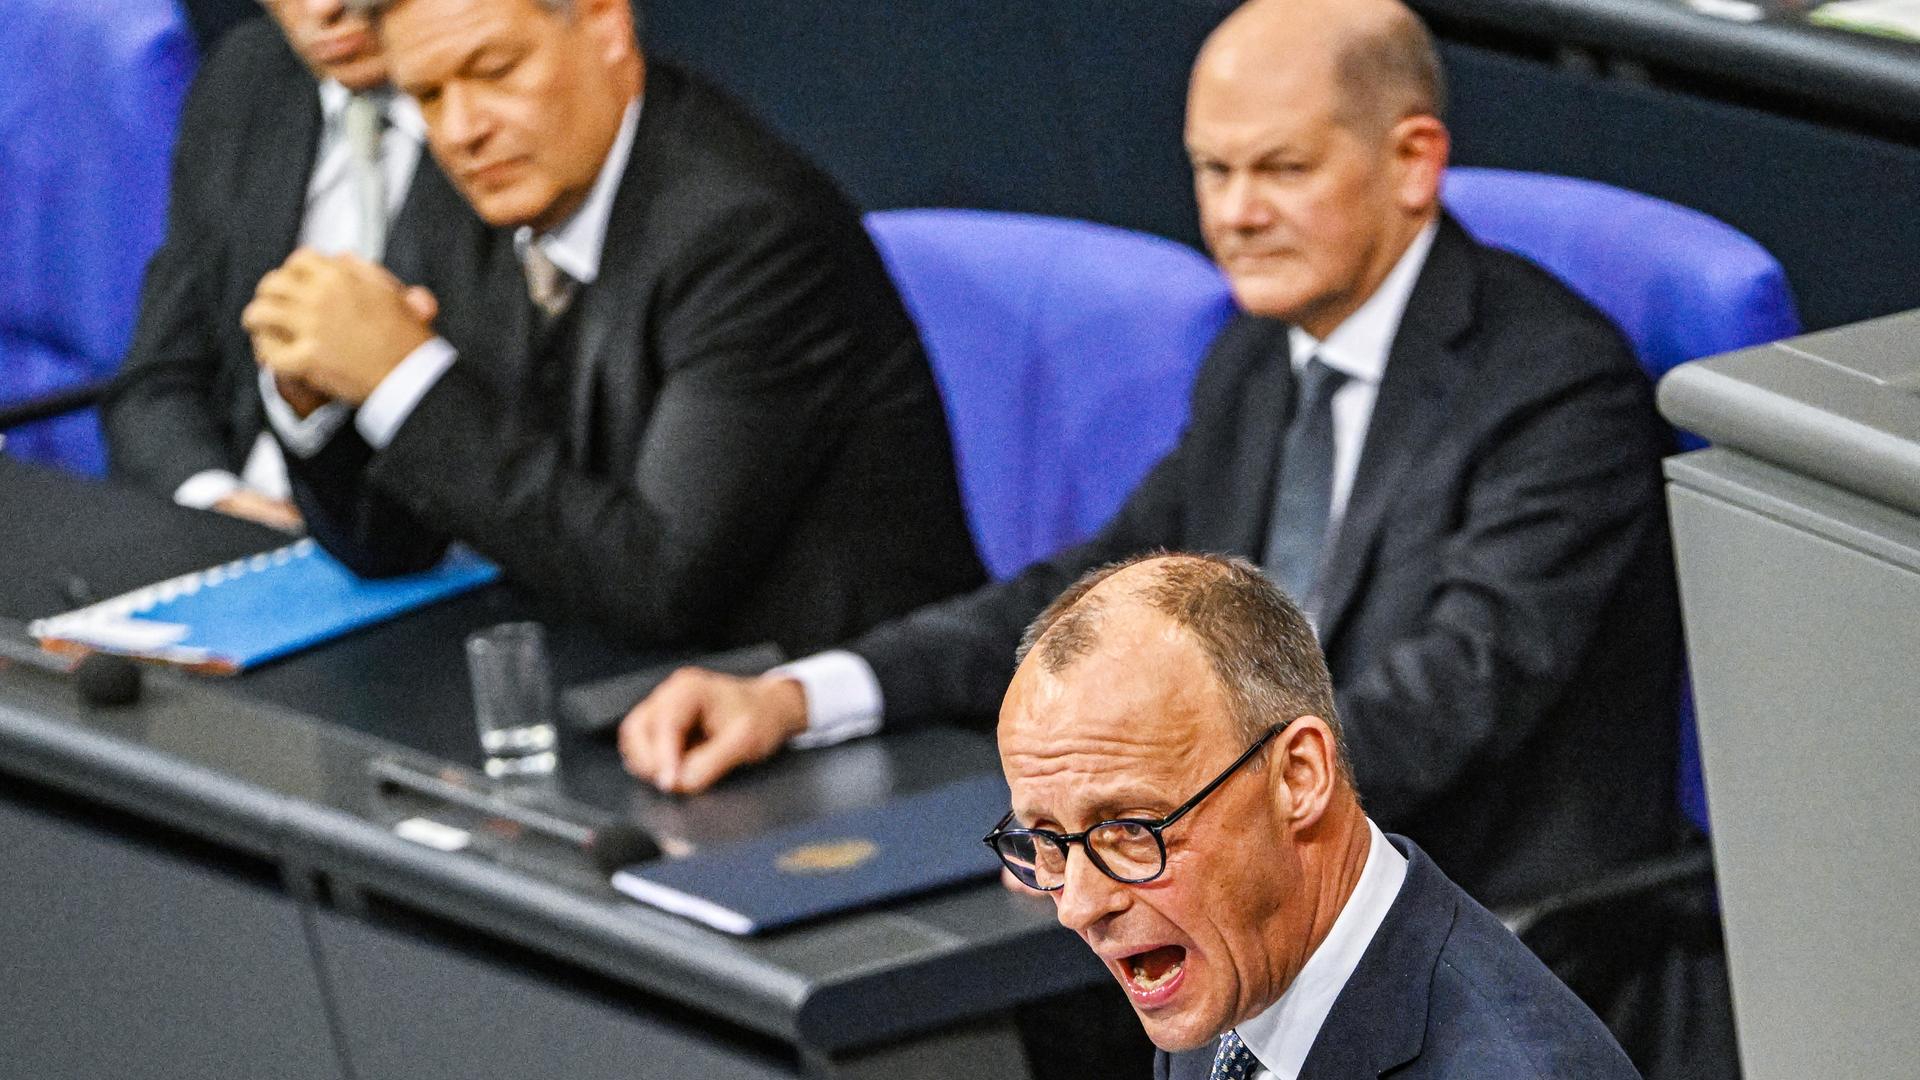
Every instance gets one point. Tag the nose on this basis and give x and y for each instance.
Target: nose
(324, 11)
(459, 121)
(1087, 896)
(1241, 205)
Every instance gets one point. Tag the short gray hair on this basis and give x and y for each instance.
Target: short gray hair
(1260, 646)
(1391, 72)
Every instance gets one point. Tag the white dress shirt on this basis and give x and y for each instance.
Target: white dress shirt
(843, 695)
(575, 247)
(1282, 1036)
(330, 222)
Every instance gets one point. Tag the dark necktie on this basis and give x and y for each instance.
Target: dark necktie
(1303, 492)
(1233, 1061)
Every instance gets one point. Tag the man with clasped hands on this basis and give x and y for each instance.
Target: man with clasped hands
(1179, 791)
(685, 401)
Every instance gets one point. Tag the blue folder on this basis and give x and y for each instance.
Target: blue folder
(234, 616)
(849, 860)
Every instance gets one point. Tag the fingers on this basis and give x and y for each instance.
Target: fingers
(654, 736)
(264, 509)
(421, 301)
(734, 745)
(306, 263)
(700, 725)
(267, 311)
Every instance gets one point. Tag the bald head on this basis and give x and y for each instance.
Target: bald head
(1376, 52)
(1128, 721)
(1257, 643)
(1317, 151)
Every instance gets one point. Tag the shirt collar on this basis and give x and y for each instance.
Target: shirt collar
(575, 245)
(1282, 1036)
(1358, 348)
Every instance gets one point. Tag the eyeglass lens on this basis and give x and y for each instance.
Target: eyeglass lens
(1125, 850)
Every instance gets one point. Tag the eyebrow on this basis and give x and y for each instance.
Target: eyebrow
(1107, 808)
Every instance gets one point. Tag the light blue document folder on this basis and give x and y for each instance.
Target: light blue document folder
(234, 616)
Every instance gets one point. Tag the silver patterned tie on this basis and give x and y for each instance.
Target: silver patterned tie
(365, 119)
(1303, 491)
(1233, 1061)
(550, 287)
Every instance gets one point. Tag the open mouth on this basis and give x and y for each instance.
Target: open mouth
(1154, 970)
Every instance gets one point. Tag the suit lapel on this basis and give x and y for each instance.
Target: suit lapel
(1379, 1021)
(273, 178)
(1410, 407)
(610, 307)
(1233, 517)
(423, 220)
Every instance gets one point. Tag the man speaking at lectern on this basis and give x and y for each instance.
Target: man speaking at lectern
(1179, 790)
(691, 407)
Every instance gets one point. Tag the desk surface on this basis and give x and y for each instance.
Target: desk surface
(274, 763)
(1780, 52)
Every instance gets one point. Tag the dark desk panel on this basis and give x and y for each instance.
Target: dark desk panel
(123, 961)
(234, 763)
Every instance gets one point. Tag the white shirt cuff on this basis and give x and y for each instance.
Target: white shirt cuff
(400, 392)
(843, 697)
(203, 490)
(302, 435)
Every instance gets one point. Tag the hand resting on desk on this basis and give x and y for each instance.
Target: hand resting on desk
(700, 725)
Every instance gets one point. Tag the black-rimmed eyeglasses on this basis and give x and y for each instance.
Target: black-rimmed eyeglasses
(1132, 851)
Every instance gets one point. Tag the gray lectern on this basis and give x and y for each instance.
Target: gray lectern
(1798, 539)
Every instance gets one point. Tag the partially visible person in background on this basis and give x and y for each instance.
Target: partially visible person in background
(697, 414)
(291, 138)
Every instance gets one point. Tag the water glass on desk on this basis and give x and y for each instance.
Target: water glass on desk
(513, 701)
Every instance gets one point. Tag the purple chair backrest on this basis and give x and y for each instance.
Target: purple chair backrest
(1680, 284)
(1065, 353)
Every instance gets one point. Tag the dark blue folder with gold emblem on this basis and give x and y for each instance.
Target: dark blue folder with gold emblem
(853, 859)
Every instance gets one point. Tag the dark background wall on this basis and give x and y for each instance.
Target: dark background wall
(1074, 107)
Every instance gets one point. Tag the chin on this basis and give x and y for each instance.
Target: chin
(1269, 298)
(1177, 1034)
(364, 73)
(509, 207)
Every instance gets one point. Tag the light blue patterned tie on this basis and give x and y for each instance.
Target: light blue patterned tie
(1233, 1061)
(1303, 491)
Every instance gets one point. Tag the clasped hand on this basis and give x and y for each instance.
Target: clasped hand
(333, 326)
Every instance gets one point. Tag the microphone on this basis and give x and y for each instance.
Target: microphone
(99, 678)
(607, 843)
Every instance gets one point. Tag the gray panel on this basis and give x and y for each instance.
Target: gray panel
(411, 1009)
(126, 963)
(1804, 664)
(1841, 406)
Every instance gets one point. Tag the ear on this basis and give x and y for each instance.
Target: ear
(1420, 147)
(1303, 759)
(610, 22)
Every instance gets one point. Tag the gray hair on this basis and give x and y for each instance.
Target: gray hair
(1258, 643)
(1391, 72)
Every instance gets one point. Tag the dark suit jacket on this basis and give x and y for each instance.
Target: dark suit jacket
(740, 439)
(1498, 608)
(1444, 992)
(186, 399)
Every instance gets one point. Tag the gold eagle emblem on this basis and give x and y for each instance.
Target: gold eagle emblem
(827, 857)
